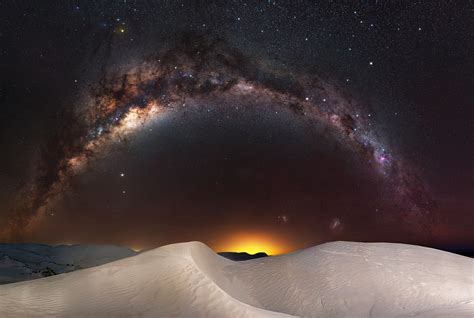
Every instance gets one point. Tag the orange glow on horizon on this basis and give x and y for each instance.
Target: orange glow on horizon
(253, 243)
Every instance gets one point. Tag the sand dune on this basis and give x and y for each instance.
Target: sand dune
(338, 279)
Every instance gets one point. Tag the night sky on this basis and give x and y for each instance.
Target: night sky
(273, 125)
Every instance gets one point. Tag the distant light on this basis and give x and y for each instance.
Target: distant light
(136, 248)
(253, 243)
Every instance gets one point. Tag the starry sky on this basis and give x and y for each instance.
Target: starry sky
(279, 123)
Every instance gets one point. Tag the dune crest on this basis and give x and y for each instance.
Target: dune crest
(190, 280)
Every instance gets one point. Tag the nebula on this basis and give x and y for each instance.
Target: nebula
(122, 103)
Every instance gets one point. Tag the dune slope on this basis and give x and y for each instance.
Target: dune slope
(338, 279)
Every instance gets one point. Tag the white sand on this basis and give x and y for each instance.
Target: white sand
(339, 279)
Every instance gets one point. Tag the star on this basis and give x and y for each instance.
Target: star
(282, 218)
(335, 225)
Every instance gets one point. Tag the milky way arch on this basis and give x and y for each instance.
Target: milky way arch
(121, 104)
